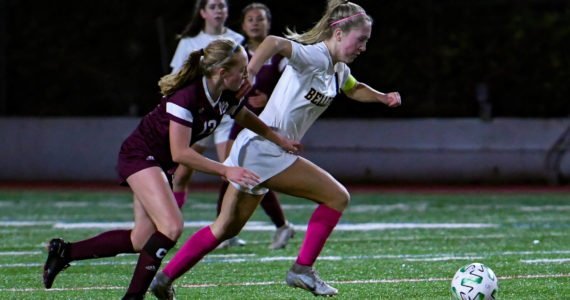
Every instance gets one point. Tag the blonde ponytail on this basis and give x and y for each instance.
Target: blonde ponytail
(219, 53)
(339, 14)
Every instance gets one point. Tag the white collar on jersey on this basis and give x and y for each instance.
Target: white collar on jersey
(212, 102)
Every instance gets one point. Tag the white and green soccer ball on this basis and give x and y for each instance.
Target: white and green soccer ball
(474, 282)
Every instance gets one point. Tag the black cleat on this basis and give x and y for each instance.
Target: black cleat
(58, 259)
(132, 297)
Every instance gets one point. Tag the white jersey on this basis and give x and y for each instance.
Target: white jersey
(189, 44)
(307, 87)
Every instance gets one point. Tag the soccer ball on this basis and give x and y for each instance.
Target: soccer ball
(474, 282)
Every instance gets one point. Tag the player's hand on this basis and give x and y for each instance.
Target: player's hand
(291, 146)
(245, 178)
(259, 99)
(393, 99)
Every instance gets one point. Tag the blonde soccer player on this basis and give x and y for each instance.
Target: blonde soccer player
(194, 101)
(316, 73)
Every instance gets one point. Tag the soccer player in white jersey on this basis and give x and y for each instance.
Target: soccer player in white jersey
(316, 73)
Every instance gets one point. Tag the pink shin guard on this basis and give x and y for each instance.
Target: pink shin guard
(321, 225)
(199, 244)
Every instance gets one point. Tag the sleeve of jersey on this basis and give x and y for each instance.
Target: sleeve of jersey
(307, 57)
(347, 80)
(235, 107)
(178, 113)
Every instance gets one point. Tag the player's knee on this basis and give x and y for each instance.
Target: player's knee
(341, 199)
(173, 229)
(345, 198)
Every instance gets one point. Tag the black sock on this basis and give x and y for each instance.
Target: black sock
(149, 261)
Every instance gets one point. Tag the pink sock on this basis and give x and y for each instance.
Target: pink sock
(321, 224)
(180, 198)
(199, 244)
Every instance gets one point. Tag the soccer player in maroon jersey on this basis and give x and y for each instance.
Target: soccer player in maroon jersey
(195, 99)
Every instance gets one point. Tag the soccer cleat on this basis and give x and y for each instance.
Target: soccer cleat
(161, 287)
(307, 278)
(231, 242)
(58, 259)
(282, 236)
(132, 297)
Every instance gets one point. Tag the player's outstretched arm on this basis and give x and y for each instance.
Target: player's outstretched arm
(249, 120)
(364, 93)
(181, 153)
(270, 46)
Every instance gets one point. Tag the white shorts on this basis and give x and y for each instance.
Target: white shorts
(220, 135)
(258, 155)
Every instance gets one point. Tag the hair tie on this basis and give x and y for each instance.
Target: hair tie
(346, 19)
(202, 52)
(229, 54)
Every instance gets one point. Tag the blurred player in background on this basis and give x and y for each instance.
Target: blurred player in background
(316, 73)
(193, 104)
(256, 22)
(207, 23)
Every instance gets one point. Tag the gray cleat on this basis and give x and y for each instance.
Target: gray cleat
(161, 287)
(282, 236)
(307, 278)
(231, 242)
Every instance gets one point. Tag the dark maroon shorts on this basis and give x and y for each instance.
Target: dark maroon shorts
(133, 157)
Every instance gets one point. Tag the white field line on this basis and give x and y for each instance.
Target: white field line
(446, 258)
(263, 283)
(256, 225)
(545, 260)
(24, 223)
(241, 258)
(356, 208)
(16, 253)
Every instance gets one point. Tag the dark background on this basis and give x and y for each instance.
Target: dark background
(104, 58)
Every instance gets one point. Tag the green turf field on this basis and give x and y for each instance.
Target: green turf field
(387, 246)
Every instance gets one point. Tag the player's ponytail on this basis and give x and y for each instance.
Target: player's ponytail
(218, 54)
(339, 14)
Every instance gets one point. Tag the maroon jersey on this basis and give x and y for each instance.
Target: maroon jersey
(149, 144)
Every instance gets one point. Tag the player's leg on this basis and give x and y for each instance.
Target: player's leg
(237, 208)
(285, 231)
(305, 179)
(106, 244)
(223, 146)
(180, 181)
(157, 203)
(182, 176)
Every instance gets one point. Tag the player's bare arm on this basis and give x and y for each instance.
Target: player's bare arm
(270, 46)
(181, 153)
(250, 121)
(364, 93)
